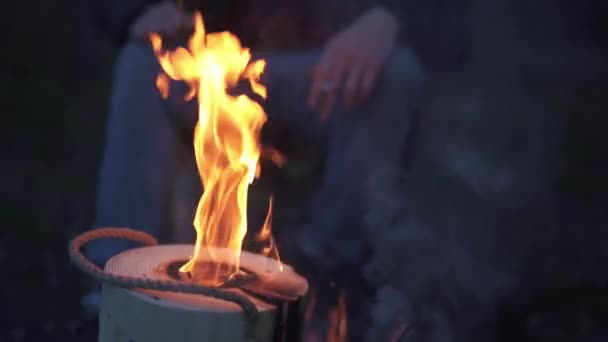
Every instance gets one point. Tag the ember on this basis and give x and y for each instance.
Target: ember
(226, 142)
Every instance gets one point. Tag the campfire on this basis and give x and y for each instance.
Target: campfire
(185, 292)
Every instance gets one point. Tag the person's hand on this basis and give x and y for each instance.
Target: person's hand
(163, 18)
(352, 61)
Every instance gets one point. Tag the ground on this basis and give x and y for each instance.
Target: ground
(40, 294)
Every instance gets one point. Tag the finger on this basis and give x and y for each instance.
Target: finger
(370, 76)
(319, 76)
(352, 86)
(332, 86)
(327, 105)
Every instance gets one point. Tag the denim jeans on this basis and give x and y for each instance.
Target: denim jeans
(143, 147)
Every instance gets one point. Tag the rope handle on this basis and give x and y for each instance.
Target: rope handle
(86, 266)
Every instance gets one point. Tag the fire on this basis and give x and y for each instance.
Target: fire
(226, 141)
(265, 236)
(337, 330)
(337, 322)
(310, 307)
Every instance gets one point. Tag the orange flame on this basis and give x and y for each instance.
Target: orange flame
(310, 307)
(337, 331)
(226, 140)
(337, 322)
(265, 236)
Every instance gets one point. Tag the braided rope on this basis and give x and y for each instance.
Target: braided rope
(85, 265)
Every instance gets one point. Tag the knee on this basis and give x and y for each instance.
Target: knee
(135, 75)
(403, 76)
(133, 80)
(136, 58)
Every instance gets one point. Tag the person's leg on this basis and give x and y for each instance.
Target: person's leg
(359, 142)
(140, 153)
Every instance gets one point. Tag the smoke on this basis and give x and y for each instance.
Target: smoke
(425, 262)
(474, 229)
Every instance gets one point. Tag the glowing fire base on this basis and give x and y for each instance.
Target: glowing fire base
(151, 316)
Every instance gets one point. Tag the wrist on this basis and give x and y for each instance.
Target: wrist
(382, 20)
(388, 16)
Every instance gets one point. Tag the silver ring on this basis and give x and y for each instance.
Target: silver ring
(328, 86)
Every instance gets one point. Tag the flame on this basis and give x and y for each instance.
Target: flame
(310, 307)
(309, 334)
(162, 83)
(274, 155)
(337, 331)
(226, 140)
(337, 322)
(265, 236)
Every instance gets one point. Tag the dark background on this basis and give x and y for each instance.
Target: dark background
(53, 98)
